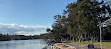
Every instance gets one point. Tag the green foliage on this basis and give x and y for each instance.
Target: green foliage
(4, 37)
(80, 20)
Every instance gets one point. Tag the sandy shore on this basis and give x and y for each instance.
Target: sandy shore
(62, 46)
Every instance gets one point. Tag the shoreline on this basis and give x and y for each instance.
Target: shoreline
(61, 46)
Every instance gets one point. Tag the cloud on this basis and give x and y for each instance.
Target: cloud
(22, 30)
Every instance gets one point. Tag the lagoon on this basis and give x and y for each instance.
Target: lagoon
(23, 44)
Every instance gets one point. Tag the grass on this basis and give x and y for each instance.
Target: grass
(105, 45)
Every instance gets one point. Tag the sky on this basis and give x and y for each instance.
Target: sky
(29, 17)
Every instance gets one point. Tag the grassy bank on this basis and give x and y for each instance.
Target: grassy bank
(105, 45)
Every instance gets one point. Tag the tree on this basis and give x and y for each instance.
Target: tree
(80, 20)
(83, 17)
(59, 28)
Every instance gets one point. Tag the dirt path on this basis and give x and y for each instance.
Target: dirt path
(77, 46)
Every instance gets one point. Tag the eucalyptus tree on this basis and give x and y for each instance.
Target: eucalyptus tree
(83, 17)
(59, 28)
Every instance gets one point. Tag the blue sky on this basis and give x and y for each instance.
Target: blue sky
(29, 17)
(31, 12)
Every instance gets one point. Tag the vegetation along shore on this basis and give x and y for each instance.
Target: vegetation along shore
(79, 23)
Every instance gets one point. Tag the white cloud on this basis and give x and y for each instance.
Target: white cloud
(22, 30)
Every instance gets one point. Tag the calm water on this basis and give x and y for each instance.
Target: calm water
(23, 44)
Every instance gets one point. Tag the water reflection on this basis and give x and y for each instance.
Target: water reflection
(23, 44)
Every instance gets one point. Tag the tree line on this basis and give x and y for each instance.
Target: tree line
(79, 21)
(6, 37)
